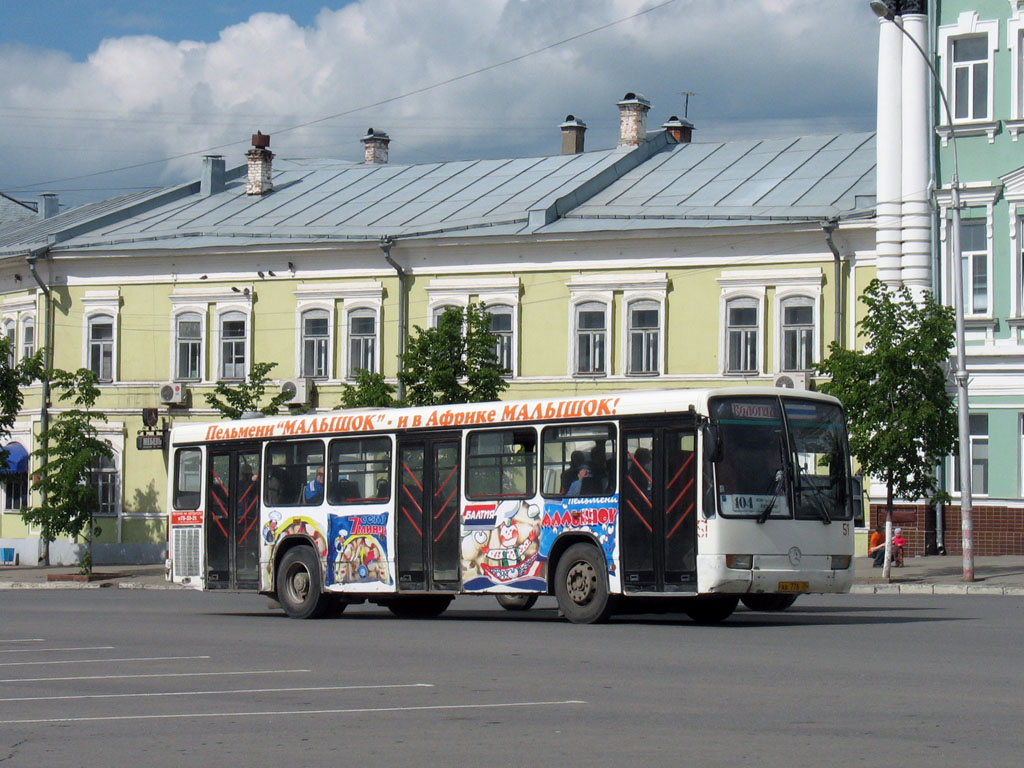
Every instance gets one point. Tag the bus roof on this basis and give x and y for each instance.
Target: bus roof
(496, 413)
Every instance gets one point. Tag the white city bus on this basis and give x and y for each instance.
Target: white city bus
(685, 500)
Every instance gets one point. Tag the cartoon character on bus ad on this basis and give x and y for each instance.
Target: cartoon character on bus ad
(500, 545)
(358, 549)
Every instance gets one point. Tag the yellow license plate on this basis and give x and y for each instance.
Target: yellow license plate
(794, 586)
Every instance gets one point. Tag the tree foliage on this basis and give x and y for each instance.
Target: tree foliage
(232, 401)
(902, 420)
(68, 500)
(370, 390)
(453, 362)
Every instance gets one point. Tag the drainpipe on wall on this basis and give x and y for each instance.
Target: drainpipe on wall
(44, 407)
(386, 243)
(829, 227)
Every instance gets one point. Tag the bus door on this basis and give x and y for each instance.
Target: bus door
(428, 513)
(658, 509)
(233, 518)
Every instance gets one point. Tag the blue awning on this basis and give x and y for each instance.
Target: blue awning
(17, 460)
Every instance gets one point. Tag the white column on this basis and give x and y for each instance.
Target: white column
(916, 226)
(889, 165)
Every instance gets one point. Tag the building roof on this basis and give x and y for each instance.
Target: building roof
(654, 186)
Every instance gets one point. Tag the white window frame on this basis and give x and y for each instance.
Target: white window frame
(221, 311)
(355, 309)
(974, 195)
(591, 304)
(968, 25)
(10, 331)
(497, 309)
(337, 298)
(459, 292)
(977, 439)
(1015, 44)
(105, 303)
(784, 297)
(737, 300)
(22, 310)
(25, 322)
(325, 341)
(178, 314)
(199, 301)
(643, 303)
(969, 261)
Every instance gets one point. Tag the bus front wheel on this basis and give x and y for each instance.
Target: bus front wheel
(768, 603)
(299, 584)
(581, 585)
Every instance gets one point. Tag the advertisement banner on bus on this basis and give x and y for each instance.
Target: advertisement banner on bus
(598, 516)
(500, 546)
(358, 551)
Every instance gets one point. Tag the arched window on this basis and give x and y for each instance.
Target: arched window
(28, 337)
(14, 473)
(315, 343)
(797, 333)
(101, 346)
(188, 329)
(741, 335)
(362, 341)
(504, 338)
(644, 328)
(10, 331)
(591, 337)
(234, 343)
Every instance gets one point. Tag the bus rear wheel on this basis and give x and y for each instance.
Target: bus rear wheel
(711, 610)
(516, 602)
(581, 585)
(299, 584)
(420, 606)
(768, 603)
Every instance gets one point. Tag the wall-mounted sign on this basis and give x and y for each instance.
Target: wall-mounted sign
(150, 441)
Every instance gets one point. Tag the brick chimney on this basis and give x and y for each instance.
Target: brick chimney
(375, 147)
(572, 135)
(258, 181)
(633, 119)
(679, 131)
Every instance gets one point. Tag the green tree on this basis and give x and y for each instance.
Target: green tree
(69, 500)
(454, 362)
(901, 418)
(245, 397)
(370, 390)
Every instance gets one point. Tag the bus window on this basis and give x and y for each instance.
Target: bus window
(294, 474)
(188, 478)
(359, 471)
(579, 460)
(502, 464)
(822, 479)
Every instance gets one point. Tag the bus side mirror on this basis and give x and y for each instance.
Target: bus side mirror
(712, 437)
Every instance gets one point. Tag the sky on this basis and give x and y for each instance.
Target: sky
(100, 98)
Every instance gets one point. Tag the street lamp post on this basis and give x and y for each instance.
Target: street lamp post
(883, 11)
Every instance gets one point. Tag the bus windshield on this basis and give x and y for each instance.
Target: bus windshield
(781, 458)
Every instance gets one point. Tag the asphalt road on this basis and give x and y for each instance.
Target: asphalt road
(126, 677)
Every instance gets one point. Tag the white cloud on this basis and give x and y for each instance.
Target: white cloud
(769, 67)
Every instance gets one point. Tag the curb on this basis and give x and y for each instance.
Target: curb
(937, 589)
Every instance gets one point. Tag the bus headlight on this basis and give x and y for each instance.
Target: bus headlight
(739, 562)
(839, 562)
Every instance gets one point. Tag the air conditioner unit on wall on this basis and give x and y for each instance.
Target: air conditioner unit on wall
(298, 391)
(173, 393)
(795, 380)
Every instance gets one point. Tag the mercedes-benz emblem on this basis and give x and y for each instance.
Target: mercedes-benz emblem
(795, 555)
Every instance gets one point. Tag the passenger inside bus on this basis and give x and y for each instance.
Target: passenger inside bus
(313, 493)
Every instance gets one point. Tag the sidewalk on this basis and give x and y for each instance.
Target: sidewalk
(920, 576)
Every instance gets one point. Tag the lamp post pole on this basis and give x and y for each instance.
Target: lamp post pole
(883, 11)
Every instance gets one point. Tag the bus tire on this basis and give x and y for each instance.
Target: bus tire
(300, 584)
(581, 585)
(713, 609)
(768, 603)
(516, 602)
(420, 606)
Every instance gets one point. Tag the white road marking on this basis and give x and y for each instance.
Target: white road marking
(217, 693)
(98, 661)
(154, 674)
(58, 650)
(282, 713)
